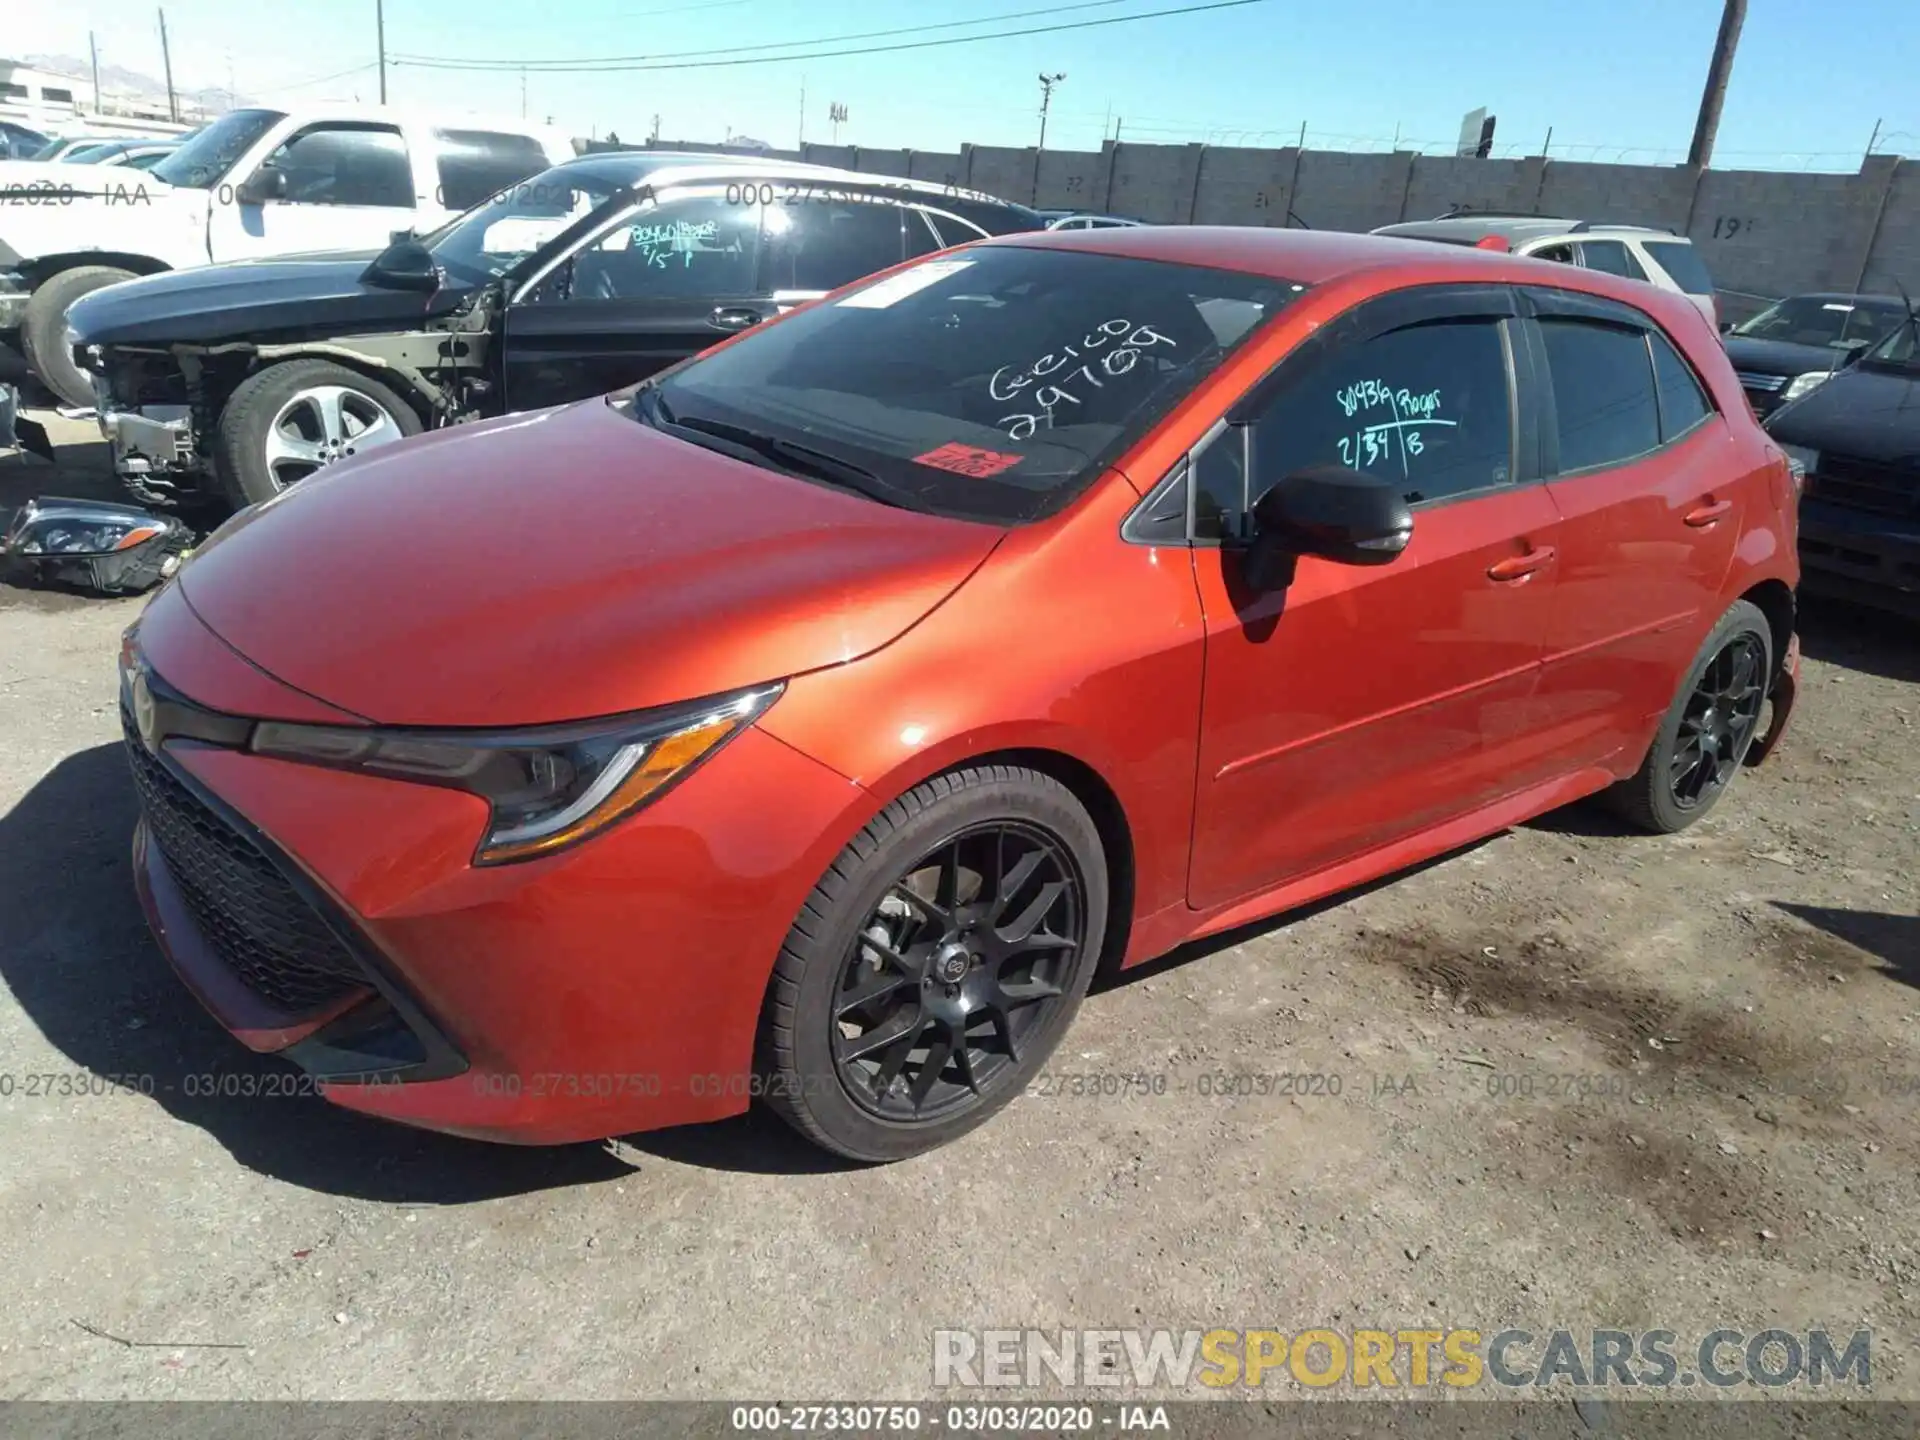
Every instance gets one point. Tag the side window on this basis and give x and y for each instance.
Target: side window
(1220, 486)
(955, 231)
(1426, 407)
(1559, 254)
(347, 165)
(923, 234)
(474, 164)
(1611, 256)
(1683, 404)
(812, 246)
(693, 247)
(1602, 392)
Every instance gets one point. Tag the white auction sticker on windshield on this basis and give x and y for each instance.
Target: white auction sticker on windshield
(894, 288)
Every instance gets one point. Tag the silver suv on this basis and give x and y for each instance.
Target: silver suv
(1637, 252)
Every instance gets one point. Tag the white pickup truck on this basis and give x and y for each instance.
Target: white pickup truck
(253, 183)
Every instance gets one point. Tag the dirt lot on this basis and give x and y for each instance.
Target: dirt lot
(1585, 1079)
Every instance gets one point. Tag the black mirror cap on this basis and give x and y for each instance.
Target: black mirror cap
(269, 182)
(405, 264)
(1337, 514)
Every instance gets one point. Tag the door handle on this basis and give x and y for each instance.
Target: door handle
(1519, 567)
(1706, 515)
(733, 317)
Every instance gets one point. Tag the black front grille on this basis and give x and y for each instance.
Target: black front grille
(256, 922)
(1870, 485)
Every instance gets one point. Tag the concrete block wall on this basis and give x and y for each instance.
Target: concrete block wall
(1761, 232)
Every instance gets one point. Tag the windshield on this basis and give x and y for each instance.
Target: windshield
(498, 233)
(1901, 348)
(1681, 261)
(205, 157)
(991, 385)
(1812, 320)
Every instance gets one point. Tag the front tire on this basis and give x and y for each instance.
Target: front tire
(1703, 740)
(289, 420)
(43, 330)
(936, 964)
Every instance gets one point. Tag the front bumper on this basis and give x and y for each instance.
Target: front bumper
(1857, 555)
(613, 988)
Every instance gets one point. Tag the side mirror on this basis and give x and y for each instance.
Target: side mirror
(1329, 511)
(269, 182)
(406, 264)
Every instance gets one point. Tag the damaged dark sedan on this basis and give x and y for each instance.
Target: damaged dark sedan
(227, 383)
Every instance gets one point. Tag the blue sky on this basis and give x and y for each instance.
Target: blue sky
(1614, 81)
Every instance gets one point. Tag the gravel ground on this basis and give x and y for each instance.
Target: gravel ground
(1585, 1079)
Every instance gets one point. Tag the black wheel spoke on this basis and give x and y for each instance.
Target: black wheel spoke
(946, 890)
(1026, 992)
(1012, 882)
(906, 1025)
(963, 1062)
(1028, 920)
(869, 989)
(1003, 1029)
(938, 1053)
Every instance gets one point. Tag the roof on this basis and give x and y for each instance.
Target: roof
(630, 166)
(1318, 257)
(1515, 229)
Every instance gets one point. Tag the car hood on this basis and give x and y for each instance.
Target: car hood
(1781, 357)
(562, 565)
(75, 179)
(1869, 414)
(250, 298)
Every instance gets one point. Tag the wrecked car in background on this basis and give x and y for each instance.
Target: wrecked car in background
(230, 382)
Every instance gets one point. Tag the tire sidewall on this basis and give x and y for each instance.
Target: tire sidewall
(43, 332)
(1741, 617)
(250, 412)
(854, 1130)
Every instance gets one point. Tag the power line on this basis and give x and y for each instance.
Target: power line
(768, 45)
(602, 66)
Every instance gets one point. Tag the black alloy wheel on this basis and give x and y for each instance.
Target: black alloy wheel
(963, 958)
(1719, 722)
(936, 964)
(1704, 737)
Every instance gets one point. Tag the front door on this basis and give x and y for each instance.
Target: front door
(1360, 704)
(349, 187)
(657, 283)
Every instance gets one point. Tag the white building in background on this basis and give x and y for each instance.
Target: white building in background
(57, 104)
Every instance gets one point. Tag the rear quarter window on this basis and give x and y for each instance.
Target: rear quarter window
(475, 164)
(1683, 263)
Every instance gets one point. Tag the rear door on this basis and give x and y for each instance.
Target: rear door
(653, 284)
(1649, 514)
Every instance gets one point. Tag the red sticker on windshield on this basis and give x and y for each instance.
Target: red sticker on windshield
(968, 460)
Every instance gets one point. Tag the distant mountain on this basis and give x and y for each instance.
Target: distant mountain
(118, 80)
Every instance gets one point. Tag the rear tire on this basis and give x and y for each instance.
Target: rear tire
(936, 964)
(1703, 740)
(292, 419)
(43, 332)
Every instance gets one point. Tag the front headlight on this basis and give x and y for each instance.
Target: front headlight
(1802, 384)
(547, 788)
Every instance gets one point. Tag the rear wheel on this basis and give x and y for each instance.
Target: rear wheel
(1703, 741)
(43, 331)
(290, 420)
(936, 964)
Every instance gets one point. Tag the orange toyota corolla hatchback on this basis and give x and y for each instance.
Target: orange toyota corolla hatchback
(811, 722)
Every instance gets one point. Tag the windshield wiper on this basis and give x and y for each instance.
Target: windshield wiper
(788, 455)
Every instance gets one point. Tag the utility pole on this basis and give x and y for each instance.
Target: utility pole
(802, 143)
(1872, 140)
(523, 92)
(166, 59)
(1732, 17)
(380, 33)
(1047, 82)
(94, 48)
(654, 138)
